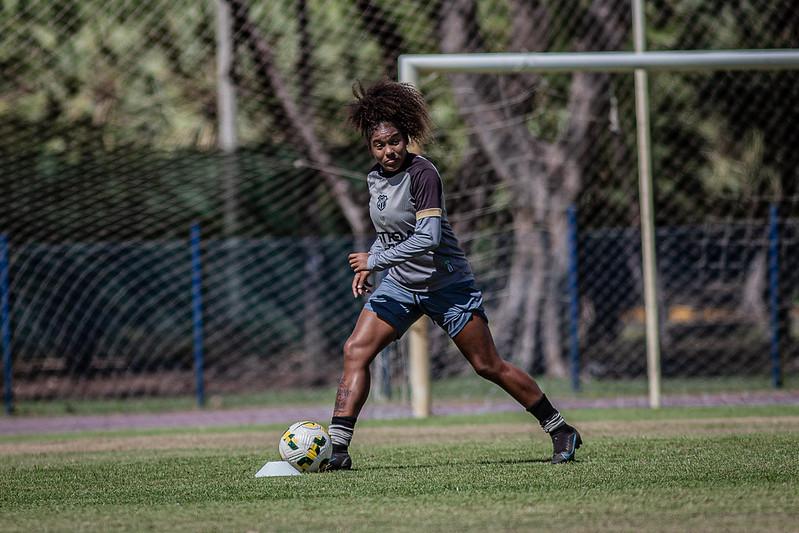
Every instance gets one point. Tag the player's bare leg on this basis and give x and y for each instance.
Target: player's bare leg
(477, 345)
(371, 334)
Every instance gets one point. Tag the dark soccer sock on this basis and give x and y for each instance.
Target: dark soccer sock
(549, 417)
(341, 429)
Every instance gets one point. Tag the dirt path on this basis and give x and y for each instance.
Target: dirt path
(270, 415)
(255, 438)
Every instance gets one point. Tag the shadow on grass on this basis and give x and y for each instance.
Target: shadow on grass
(484, 462)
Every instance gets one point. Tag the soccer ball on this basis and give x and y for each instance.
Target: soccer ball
(306, 446)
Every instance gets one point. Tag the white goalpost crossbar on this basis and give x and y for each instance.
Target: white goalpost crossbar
(639, 62)
(410, 66)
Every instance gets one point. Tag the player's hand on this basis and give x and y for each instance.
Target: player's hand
(360, 284)
(359, 261)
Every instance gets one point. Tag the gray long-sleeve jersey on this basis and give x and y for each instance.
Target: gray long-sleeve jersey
(415, 241)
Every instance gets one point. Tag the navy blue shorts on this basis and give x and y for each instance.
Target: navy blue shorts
(450, 307)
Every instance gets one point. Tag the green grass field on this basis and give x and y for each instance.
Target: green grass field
(731, 469)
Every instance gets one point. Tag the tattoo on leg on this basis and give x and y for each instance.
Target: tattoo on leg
(342, 396)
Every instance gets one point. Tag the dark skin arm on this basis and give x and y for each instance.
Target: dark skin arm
(360, 282)
(359, 261)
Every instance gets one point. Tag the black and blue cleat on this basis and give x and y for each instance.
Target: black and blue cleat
(565, 441)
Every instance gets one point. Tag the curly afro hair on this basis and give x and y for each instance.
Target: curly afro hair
(390, 101)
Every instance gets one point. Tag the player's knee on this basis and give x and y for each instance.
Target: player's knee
(488, 369)
(356, 354)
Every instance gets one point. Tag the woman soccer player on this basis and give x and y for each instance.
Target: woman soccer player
(428, 272)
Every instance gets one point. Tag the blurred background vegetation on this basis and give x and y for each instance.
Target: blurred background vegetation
(109, 135)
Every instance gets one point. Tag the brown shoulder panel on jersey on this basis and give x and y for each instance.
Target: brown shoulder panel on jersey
(432, 212)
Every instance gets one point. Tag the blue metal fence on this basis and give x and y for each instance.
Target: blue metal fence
(105, 310)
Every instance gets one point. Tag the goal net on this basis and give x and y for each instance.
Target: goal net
(543, 189)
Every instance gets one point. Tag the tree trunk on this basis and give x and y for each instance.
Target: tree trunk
(304, 68)
(753, 302)
(288, 114)
(536, 273)
(312, 302)
(385, 31)
(544, 177)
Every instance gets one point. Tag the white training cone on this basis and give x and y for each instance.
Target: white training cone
(277, 468)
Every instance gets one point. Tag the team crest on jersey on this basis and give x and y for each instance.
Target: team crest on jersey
(381, 201)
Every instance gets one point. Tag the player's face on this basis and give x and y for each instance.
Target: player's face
(388, 146)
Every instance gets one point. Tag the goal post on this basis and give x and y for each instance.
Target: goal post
(411, 66)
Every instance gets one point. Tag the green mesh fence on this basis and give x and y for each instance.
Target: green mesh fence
(111, 151)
